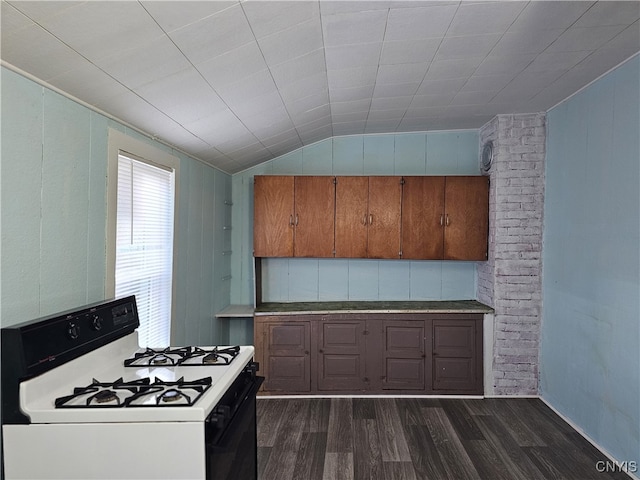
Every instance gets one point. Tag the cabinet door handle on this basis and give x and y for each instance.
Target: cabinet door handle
(447, 222)
(370, 219)
(297, 219)
(291, 220)
(442, 220)
(364, 219)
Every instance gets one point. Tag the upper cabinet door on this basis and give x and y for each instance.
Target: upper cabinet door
(273, 216)
(385, 206)
(314, 216)
(423, 218)
(352, 195)
(466, 218)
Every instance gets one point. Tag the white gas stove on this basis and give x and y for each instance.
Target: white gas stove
(83, 399)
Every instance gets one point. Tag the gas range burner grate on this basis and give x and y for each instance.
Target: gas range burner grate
(135, 393)
(185, 356)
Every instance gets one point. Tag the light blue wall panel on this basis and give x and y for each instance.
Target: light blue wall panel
(96, 261)
(394, 280)
(364, 280)
(333, 279)
(317, 158)
(54, 165)
(426, 281)
(348, 155)
(64, 209)
(290, 280)
(590, 354)
(452, 153)
(379, 155)
(410, 154)
(291, 162)
(21, 176)
(303, 279)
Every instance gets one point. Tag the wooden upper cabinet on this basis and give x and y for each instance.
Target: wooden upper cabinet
(368, 213)
(385, 207)
(273, 216)
(423, 217)
(352, 196)
(445, 218)
(293, 216)
(429, 218)
(314, 217)
(466, 218)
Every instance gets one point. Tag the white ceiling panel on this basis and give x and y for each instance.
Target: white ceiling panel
(294, 42)
(213, 35)
(419, 22)
(33, 48)
(610, 13)
(269, 17)
(346, 56)
(401, 73)
(237, 83)
(484, 17)
(527, 41)
(99, 29)
(173, 15)
(290, 72)
(352, 77)
(146, 63)
(550, 15)
(12, 20)
(359, 27)
(584, 38)
(231, 66)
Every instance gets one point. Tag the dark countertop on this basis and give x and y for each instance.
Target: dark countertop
(441, 306)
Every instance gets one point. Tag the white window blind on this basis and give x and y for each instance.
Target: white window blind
(144, 245)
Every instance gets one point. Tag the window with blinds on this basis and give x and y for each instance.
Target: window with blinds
(144, 245)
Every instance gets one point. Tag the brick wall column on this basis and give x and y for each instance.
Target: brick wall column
(511, 280)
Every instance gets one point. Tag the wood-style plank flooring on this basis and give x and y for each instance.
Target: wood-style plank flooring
(417, 438)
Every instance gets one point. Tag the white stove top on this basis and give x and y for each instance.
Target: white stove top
(37, 395)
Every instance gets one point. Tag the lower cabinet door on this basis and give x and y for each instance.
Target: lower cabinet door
(457, 356)
(288, 366)
(341, 355)
(403, 358)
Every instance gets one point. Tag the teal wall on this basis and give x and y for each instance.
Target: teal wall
(590, 354)
(289, 280)
(53, 217)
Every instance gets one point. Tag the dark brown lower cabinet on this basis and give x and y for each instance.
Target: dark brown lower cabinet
(371, 353)
(403, 355)
(457, 344)
(283, 352)
(341, 354)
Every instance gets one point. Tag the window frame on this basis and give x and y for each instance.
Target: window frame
(121, 144)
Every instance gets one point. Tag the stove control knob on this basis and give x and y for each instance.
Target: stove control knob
(73, 330)
(96, 322)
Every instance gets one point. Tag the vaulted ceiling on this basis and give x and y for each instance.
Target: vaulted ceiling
(235, 83)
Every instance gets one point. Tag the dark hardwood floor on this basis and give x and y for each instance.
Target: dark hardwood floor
(415, 438)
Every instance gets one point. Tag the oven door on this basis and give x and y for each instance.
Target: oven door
(231, 436)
